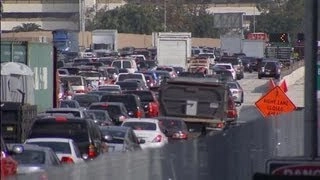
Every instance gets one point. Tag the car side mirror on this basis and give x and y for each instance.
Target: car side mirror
(142, 141)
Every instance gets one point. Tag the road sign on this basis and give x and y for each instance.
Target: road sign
(275, 102)
(294, 167)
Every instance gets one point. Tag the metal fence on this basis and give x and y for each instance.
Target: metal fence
(234, 154)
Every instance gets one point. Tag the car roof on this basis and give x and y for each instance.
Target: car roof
(30, 147)
(150, 120)
(49, 140)
(108, 103)
(63, 109)
(223, 64)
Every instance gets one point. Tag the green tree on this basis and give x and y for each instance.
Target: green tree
(25, 27)
(283, 16)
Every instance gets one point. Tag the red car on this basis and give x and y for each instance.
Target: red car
(8, 164)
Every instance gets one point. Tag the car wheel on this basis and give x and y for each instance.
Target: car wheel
(242, 99)
(259, 77)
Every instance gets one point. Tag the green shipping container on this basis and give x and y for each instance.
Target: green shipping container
(39, 57)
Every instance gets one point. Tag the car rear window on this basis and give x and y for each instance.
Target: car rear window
(30, 157)
(123, 77)
(74, 113)
(143, 95)
(113, 110)
(172, 124)
(57, 147)
(128, 100)
(78, 131)
(99, 115)
(141, 125)
(68, 104)
(126, 64)
(117, 136)
(224, 66)
(232, 85)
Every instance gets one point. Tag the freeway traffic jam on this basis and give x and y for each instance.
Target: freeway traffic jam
(134, 99)
(128, 102)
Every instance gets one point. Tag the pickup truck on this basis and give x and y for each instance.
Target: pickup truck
(203, 103)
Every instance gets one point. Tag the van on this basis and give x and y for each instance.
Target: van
(77, 84)
(84, 132)
(128, 64)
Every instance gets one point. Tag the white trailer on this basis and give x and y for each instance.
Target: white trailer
(105, 39)
(173, 48)
(230, 44)
(253, 48)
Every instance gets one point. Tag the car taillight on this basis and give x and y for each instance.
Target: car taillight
(232, 113)
(139, 113)
(220, 125)
(158, 138)
(91, 152)
(67, 160)
(180, 135)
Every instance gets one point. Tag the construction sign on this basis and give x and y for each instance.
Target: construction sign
(275, 102)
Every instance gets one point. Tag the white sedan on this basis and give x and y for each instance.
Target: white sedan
(66, 149)
(149, 130)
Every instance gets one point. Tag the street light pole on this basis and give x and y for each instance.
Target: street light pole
(165, 15)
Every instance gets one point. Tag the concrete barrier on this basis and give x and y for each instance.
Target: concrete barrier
(293, 77)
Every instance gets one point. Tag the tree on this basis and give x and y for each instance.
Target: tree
(283, 16)
(25, 27)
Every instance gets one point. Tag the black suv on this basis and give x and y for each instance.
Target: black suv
(269, 68)
(131, 102)
(84, 132)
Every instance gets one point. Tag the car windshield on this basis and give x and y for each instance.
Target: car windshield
(30, 157)
(72, 130)
(141, 126)
(57, 147)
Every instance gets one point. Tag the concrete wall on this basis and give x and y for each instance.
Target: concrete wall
(136, 40)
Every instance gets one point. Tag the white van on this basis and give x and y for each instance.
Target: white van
(128, 64)
(138, 76)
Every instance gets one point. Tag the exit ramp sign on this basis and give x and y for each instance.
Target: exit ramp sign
(294, 167)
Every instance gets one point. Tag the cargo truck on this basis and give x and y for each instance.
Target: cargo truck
(230, 44)
(104, 41)
(39, 58)
(253, 48)
(173, 48)
(203, 103)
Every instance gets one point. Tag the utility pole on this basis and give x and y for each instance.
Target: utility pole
(165, 15)
(254, 19)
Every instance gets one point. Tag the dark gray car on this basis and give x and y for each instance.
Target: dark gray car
(120, 139)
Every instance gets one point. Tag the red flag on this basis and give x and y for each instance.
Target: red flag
(271, 84)
(283, 86)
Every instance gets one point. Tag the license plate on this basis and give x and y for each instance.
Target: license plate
(267, 73)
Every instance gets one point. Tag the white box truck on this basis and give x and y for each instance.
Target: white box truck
(230, 44)
(253, 48)
(105, 39)
(173, 48)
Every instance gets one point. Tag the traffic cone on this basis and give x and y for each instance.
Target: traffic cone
(284, 86)
(271, 84)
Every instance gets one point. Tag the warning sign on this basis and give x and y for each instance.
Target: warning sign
(275, 102)
(294, 167)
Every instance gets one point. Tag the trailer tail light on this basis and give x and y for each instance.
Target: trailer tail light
(67, 160)
(158, 138)
(91, 152)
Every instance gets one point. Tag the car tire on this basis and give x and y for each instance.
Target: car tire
(259, 77)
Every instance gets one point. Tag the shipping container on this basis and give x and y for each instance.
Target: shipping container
(39, 57)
